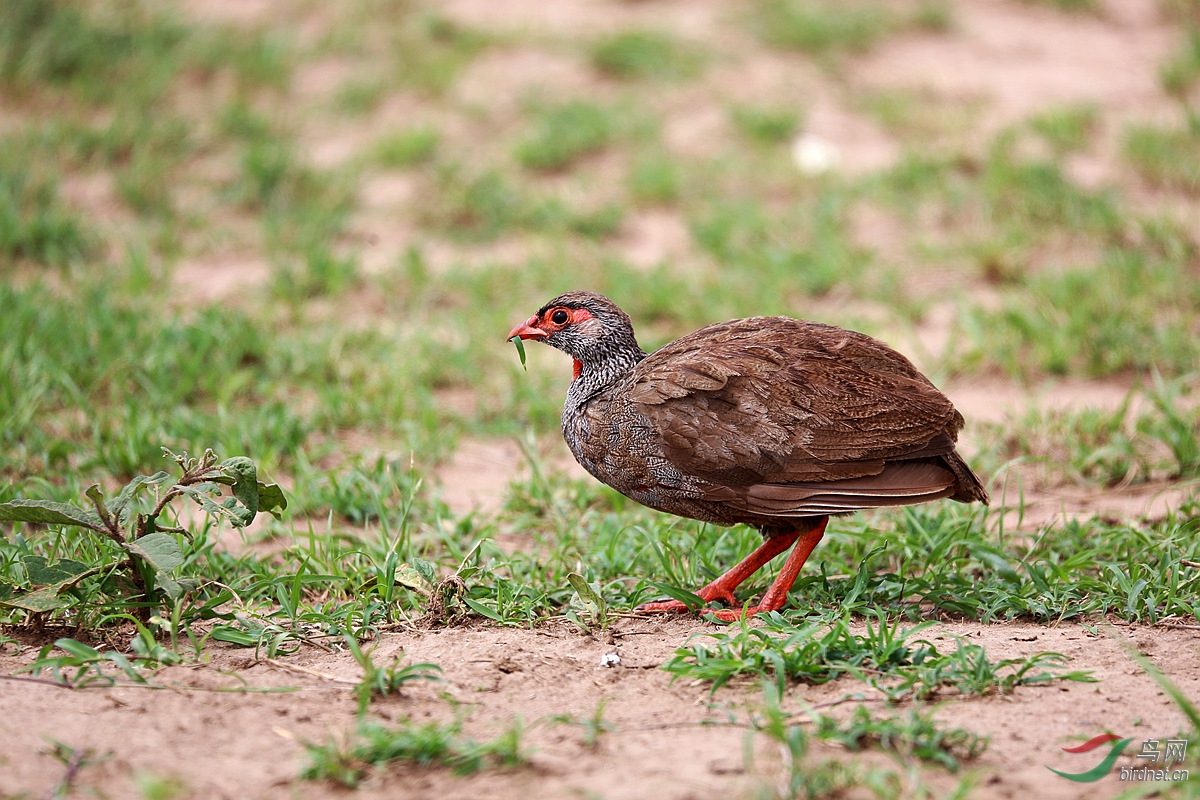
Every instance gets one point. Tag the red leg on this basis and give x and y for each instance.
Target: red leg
(722, 588)
(776, 595)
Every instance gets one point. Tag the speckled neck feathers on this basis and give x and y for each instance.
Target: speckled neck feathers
(605, 347)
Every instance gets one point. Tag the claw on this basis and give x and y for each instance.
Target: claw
(722, 594)
(708, 594)
(736, 614)
(732, 614)
(673, 606)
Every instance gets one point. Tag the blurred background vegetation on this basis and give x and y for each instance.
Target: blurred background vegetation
(221, 225)
(299, 234)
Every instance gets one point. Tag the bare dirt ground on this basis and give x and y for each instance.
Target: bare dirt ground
(668, 740)
(222, 742)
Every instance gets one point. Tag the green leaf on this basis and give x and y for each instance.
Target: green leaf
(428, 571)
(586, 592)
(573, 617)
(200, 495)
(42, 600)
(48, 513)
(41, 573)
(78, 650)
(61, 575)
(520, 350)
(47, 598)
(117, 506)
(480, 608)
(271, 499)
(172, 587)
(411, 578)
(97, 497)
(189, 584)
(161, 550)
(465, 572)
(239, 515)
(125, 666)
(228, 633)
(692, 601)
(245, 480)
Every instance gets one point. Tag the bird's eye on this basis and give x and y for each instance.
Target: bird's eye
(559, 317)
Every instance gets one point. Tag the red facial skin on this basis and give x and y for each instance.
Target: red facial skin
(539, 327)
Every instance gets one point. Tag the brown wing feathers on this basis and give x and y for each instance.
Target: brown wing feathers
(793, 418)
(898, 483)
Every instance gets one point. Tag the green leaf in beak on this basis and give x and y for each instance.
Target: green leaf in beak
(520, 351)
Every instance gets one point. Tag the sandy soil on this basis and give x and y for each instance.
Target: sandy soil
(668, 740)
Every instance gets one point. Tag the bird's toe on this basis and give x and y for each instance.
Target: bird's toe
(735, 614)
(673, 606)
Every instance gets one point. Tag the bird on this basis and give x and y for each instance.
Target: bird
(772, 422)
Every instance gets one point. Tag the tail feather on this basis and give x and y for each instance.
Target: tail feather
(967, 486)
(900, 483)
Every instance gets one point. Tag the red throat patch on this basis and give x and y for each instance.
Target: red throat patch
(578, 370)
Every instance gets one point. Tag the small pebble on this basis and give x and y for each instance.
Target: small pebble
(814, 155)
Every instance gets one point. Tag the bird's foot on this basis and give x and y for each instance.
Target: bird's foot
(724, 614)
(707, 594)
(737, 614)
(673, 606)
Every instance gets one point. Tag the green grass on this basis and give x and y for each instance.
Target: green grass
(489, 206)
(1180, 73)
(934, 16)
(819, 27)
(767, 125)
(924, 561)
(562, 134)
(1038, 194)
(360, 97)
(1068, 129)
(431, 50)
(772, 257)
(48, 43)
(909, 737)
(1007, 193)
(414, 49)
(320, 273)
(1085, 286)
(134, 371)
(407, 148)
(633, 55)
(35, 224)
(130, 55)
(1118, 447)
(655, 179)
(1164, 157)
(1072, 6)
(886, 657)
(912, 734)
(1131, 311)
(377, 745)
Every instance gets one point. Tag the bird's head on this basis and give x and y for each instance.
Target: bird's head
(585, 325)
